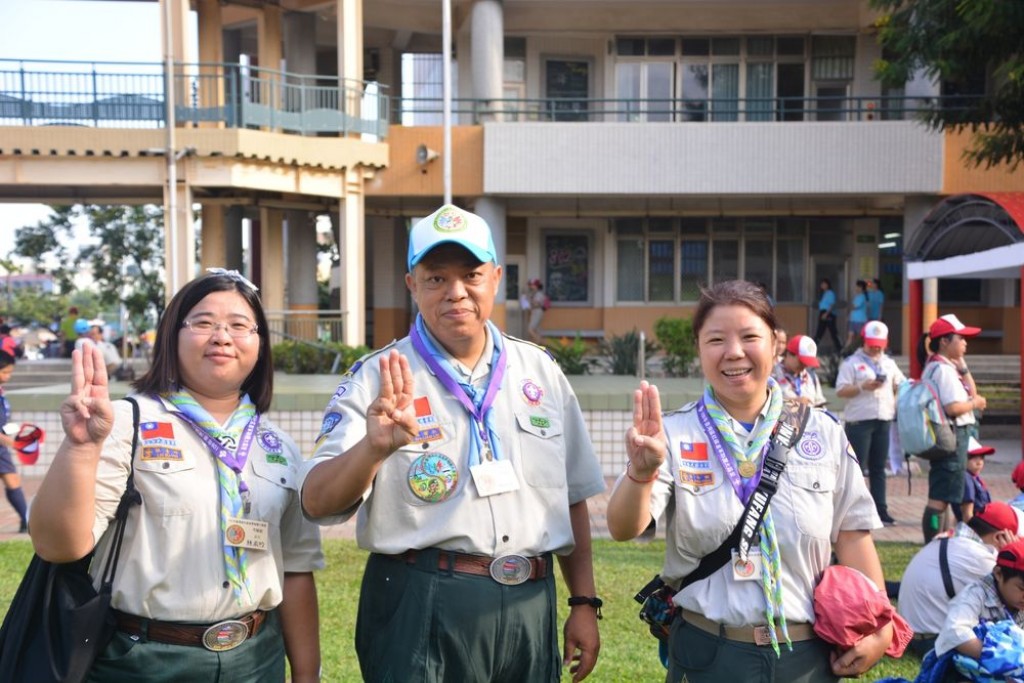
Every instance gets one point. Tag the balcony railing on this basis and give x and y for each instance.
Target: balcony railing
(427, 111)
(133, 95)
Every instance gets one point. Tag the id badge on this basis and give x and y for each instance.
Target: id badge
(746, 571)
(246, 533)
(493, 477)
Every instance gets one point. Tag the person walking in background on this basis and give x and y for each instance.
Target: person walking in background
(946, 368)
(876, 299)
(216, 582)
(8, 470)
(858, 317)
(781, 338)
(827, 315)
(538, 306)
(465, 456)
(868, 380)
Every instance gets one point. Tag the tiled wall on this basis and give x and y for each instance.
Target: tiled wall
(607, 431)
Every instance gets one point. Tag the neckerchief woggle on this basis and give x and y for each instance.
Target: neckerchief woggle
(479, 409)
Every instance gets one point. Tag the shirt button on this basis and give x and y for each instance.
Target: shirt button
(226, 584)
(426, 445)
(167, 465)
(543, 432)
(817, 485)
(283, 480)
(504, 539)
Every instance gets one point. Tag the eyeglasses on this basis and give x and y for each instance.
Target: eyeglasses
(206, 328)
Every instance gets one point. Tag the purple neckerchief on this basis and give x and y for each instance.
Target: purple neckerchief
(437, 365)
(236, 460)
(743, 489)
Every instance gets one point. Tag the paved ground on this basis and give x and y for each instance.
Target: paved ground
(905, 507)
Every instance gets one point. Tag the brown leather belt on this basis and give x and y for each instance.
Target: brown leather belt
(508, 569)
(220, 636)
(758, 635)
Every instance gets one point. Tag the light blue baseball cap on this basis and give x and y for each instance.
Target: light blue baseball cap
(451, 225)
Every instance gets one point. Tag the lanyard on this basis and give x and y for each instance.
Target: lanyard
(876, 367)
(795, 381)
(441, 368)
(236, 460)
(742, 488)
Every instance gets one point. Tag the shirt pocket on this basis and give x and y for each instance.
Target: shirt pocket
(542, 450)
(164, 482)
(272, 488)
(811, 493)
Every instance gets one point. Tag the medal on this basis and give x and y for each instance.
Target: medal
(747, 469)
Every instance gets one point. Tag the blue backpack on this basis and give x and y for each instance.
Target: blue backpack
(921, 421)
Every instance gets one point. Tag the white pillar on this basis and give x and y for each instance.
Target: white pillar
(487, 53)
(353, 258)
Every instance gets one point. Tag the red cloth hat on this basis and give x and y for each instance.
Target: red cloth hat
(1018, 475)
(950, 324)
(1012, 555)
(535, 282)
(804, 348)
(998, 515)
(974, 448)
(27, 442)
(848, 606)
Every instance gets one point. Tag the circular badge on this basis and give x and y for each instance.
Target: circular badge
(810, 448)
(433, 477)
(270, 441)
(449, 220)
(743, 569)
(747, 469)
(511, 570)
(532, 393)
(235, 534)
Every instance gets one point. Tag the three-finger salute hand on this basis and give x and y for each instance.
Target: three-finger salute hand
(645, 440)
(87, 414)
(391, 418)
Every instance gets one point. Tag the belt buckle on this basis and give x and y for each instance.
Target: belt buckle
(762, 636)
(511, 570)
(226, 635)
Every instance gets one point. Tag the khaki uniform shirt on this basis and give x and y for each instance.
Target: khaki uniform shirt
(540, 429)
(172, 566)
(821, 493)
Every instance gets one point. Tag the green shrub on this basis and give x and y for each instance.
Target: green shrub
(675, 335)
(570, 355)
(298, 358)
(622, 350)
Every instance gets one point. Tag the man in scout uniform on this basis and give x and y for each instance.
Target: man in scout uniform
(466, 456)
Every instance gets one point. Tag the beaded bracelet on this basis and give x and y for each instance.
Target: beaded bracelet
(639, 481)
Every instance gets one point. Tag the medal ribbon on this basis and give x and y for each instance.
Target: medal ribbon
(241, 428)
(479, 408)
(717, 426)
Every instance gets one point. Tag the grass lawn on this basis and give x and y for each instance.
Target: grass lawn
(628, 652)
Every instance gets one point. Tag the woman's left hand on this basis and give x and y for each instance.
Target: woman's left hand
(862, 656)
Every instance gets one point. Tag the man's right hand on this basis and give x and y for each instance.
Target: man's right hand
(391, 418)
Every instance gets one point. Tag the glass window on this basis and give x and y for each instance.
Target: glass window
(725, 90)
(760, 103)
(786, 46)
(630, 282)
(660, 270)
(695, 92)
(661, 47)
(720, 225)
(661, 224)
(789, 282)
(568, 87)
(510, 273)
(567, 267)
(757, 261)
(693, 268)
(696, 47)
(629, 226)
(659, 91)
(694, 226)
(725, 46)
(832, 58)
(760, 46)
(515, 47)
(627, 89)
(629, 47)
(725, 260)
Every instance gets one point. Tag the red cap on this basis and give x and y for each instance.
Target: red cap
(848, 606)
(804, 348)
(1018, 475)
(1012, 555)
(27, 442)
(876, 333)
(950, 324)
(998, 515)
(974, 448)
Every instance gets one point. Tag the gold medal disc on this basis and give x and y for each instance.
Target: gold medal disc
(747, 469)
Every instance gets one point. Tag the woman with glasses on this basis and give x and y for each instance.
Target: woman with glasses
(214, 581)
(946, 368)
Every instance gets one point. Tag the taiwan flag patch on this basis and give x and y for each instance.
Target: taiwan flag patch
(151, 431)
(694, 456)
(430, 430)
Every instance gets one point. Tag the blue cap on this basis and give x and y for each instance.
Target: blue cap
(81, 326)
(451, 225)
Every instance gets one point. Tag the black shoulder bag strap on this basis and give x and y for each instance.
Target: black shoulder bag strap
(947, 578)
(129, 498)
(788, 431)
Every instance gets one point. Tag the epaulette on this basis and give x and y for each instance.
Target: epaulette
(529, 343)
(354, 368)
(833, 416)
(685, 408)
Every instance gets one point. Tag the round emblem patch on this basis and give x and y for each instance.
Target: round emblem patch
(235, 534)
(532, 393)
(433, 477)
(270, 441)
(810, 447)
(744, 570)
(450, 220)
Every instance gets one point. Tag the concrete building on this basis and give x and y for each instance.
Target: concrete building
(624, 152)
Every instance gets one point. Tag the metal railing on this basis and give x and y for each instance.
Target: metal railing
(318, 326)
(423, 111)
(133, 95)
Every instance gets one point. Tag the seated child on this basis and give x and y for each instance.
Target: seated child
(995, 597)
(976, 493)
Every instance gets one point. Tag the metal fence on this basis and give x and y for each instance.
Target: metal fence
(313, 326)
(133, 95)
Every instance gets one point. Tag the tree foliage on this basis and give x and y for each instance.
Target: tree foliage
(45, 245)
(963, 43)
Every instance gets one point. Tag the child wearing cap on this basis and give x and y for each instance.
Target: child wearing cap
(947, 370)
(793, 373)
(9, 473)
(975, 491)
(994, 597)
(1017, 477)
(868, 380)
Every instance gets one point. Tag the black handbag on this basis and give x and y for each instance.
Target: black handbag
(58, 622)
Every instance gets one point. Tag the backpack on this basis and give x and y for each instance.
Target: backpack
(547, 303)
(923, 427)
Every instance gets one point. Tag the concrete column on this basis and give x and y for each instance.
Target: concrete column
(487, 34)
(179, 248)
(299, 51)
(493, 211)
(302, 287)
(177, 11)
(233, 250)
(268, 37)
(211, 53)
(930, 302)
(272, 276)
(352, 245)
(390, 296)
(213, 251)
(350, 56)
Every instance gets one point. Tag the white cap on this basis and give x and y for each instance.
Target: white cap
(876, 333)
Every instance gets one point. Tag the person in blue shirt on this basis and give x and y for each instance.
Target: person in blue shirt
(876, 299)
(858, 316)
(826, 314)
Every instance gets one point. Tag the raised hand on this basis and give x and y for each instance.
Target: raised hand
(645, 440)
(391, 419)
(87, 414)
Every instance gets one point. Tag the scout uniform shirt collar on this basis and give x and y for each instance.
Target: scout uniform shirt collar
(479, 373)
(740, 429)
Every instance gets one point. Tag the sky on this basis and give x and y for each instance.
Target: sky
(74, 30)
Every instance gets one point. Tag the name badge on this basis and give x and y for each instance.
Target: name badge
(493, 477)
(246, 533)
(746, 571)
